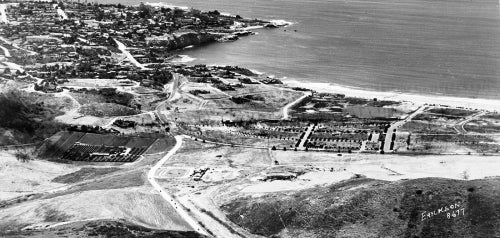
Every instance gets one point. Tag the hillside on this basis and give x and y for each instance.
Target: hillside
(27, 118)
(370, 208)
(106, 228)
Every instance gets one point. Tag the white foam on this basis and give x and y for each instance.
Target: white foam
(166, 5)
(281, 22)
(475, 103)
(252, 28)
(183, 59)
(227, 14)
(256, 72)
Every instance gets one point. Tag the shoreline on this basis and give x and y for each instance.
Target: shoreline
(463, 102)
(491, 105)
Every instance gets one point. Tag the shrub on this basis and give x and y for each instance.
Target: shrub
(23, 157)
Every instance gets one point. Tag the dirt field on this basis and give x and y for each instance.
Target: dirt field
(19, 178)
(138, 205)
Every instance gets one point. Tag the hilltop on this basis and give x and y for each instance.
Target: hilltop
(362, 207)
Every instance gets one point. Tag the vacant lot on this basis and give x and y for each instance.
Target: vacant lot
(107, 110)
(137, 205)
(18, 178)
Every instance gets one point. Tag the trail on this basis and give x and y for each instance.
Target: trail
(180, 210)
(5, 51)
(16, 46)
(459, 127)
(288, 106)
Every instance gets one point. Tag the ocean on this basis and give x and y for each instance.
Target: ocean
(431, 47)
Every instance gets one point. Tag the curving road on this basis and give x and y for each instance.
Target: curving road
(180, 210)
(459, 127)
(288, 106)
(396, 125)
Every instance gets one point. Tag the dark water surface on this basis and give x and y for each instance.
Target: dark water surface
(446, 47)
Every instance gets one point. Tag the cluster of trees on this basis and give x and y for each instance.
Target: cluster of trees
(28, 120)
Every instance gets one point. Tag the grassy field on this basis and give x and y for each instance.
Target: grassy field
(107, 110)
(453, 112)
(427, 128)
(84, 174)
(134, 204)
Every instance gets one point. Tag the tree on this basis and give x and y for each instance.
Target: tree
(145, 11)
(23, 157)
(465, 175)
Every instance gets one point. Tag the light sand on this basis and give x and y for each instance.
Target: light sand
(474, 103)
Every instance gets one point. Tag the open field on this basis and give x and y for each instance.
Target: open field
(97, 83)
(218, 156)
(424, 127)
(487, 124)
(18, 178)
(137, 205)
(107, 110)
(83, 174)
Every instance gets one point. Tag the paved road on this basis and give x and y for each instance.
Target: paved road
(396, 125)
(306, 135)
(459, 127)
(180, 210)
(124, 50)
(175, 88)
(288, 106)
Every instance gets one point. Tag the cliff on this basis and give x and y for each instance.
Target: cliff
(180, 40)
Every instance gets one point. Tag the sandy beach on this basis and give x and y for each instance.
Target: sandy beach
(474, 103)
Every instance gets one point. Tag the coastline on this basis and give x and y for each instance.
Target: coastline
(473, 103)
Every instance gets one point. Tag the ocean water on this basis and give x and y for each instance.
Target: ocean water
(436, 47)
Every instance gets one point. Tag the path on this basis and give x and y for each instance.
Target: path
(175, 88)
(396, 125)
(180, 210)
(459, 127)
(288, 106)
(16, 46)
(5, 51)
